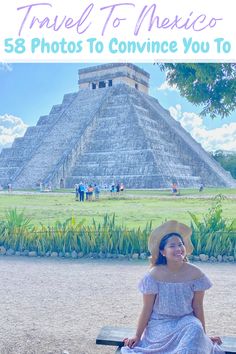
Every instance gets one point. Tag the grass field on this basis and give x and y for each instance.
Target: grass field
(134, 208)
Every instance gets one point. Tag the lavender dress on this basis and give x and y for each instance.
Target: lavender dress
(172, 327)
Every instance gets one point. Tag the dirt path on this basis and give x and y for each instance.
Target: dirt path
(126, 195)
(58, 306)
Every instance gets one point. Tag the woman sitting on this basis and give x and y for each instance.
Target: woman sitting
(172, 318)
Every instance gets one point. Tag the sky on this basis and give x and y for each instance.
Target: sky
(28, 91)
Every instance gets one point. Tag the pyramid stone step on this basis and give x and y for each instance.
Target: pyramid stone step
(10, 162)
(7, 172)
(70, 125)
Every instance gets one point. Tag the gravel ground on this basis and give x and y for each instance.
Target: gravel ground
(56, 306)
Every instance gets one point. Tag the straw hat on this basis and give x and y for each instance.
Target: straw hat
(169, 227)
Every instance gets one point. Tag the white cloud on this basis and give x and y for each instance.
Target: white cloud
(223, 138)
(5, 67)
(176, 111)
(191, 121)
(165, 86)
(11, 127)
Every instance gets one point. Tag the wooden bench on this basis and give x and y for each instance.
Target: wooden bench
(114, 336)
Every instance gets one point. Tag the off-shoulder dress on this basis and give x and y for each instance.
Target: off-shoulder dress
(172, 327)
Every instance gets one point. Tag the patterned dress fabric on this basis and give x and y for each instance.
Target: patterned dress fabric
(172, 327)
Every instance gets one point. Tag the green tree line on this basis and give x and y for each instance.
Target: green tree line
(227, 161)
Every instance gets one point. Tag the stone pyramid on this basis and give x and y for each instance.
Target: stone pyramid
(111, 130)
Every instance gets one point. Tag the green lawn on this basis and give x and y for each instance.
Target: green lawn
(134, 208)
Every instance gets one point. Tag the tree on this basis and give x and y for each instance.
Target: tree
(210, 85)
(227, 161)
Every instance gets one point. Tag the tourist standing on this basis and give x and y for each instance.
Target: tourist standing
(118, 188)
(112, 190)
(86, 192)
(81, 192)
(76, 192)
(90, 192)
(174, 188)
(122, 187)
(96, 191)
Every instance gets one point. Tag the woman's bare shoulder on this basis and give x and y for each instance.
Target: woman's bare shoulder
(194, 271)
(157, 271)
(188, 272)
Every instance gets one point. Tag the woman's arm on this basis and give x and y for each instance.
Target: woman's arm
(197, 305)
(148, 302)
(199, 312)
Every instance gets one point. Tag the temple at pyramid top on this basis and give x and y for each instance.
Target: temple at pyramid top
(107, 75)
(110, 131)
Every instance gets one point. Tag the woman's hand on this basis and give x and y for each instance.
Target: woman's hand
(131, 342)
(148, 302)
(216, 340)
